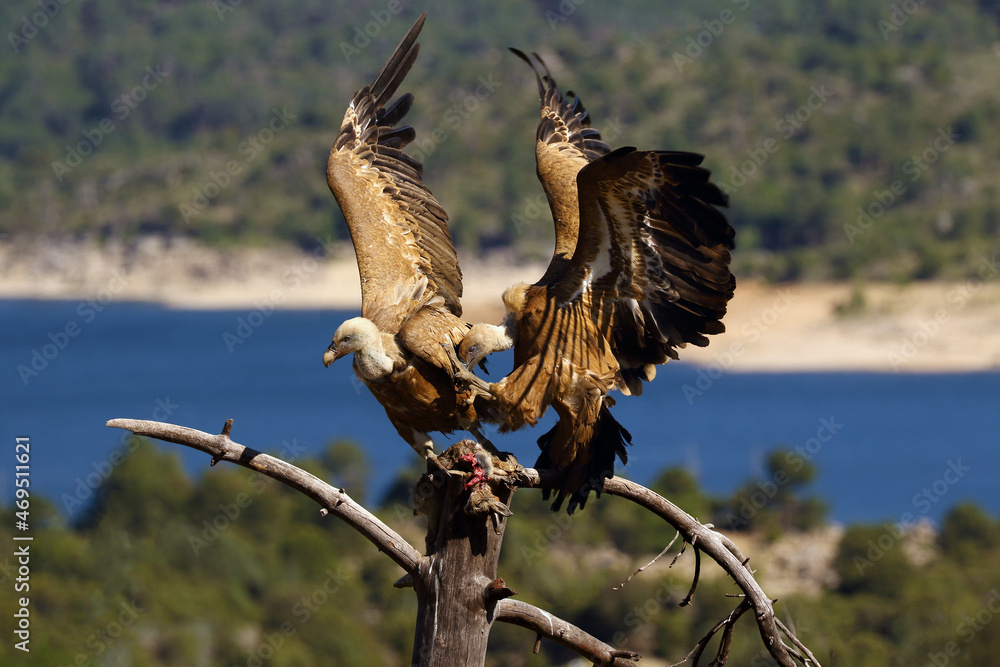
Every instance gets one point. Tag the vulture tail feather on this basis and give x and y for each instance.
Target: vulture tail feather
(579, 479)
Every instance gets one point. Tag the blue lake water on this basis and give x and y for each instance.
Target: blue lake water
(884, 444)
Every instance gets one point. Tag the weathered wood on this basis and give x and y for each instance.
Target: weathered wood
(717, 546)
(457, 587)
(458, 591)
(546, 625)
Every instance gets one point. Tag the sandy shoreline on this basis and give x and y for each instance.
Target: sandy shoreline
(918, 327)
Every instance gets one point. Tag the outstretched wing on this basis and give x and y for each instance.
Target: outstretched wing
(399, 230)
(653, 256)
(564, 144)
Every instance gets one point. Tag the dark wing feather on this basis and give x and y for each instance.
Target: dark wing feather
(564, 144)
(653, 255)
(400, 231)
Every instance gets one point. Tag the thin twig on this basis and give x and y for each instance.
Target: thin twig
(684, 546)
(809, 657)
(656, 558)
(722, 655)
(694, 582)
(728, 623)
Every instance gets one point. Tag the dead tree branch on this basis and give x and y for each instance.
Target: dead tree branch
(716, 545)
(463, 555)
(335, 501)
(546, 625)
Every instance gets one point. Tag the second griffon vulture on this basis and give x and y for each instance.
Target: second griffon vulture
(640, 269)
(404, 343)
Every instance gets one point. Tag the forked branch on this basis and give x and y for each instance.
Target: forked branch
(717, 546)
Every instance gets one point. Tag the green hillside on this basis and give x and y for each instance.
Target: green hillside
(852, 136)
(235, 569)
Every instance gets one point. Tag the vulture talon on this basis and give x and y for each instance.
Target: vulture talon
(468, 382)
(465, 380)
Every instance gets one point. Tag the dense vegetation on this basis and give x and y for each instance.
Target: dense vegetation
(854, 137)
(234, 569)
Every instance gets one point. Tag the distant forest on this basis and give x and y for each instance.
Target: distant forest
(161, 570)
(853, 137)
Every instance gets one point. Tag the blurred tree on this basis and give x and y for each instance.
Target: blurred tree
(775, 503)
(871, 560)
(967, 532)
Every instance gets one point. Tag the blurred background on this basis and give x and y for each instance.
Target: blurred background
(169, 250)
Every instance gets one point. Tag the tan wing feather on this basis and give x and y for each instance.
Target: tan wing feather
(400, 231)
(564, 144)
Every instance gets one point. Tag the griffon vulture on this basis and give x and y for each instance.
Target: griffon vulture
(640, 269)
(404, 343)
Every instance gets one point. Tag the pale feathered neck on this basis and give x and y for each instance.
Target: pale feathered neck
(373, 350)
(371, 362)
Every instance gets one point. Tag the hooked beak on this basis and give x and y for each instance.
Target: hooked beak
(331, 355)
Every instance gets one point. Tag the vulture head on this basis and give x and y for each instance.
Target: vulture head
(483, 340)
(361, 336)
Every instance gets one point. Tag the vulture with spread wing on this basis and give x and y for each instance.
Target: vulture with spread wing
(640, 269)
(405, 342)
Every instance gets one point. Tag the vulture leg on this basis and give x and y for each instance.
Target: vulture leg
(424, 446)
(420, 441)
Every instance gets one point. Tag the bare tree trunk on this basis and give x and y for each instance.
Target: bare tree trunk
(457, 589)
